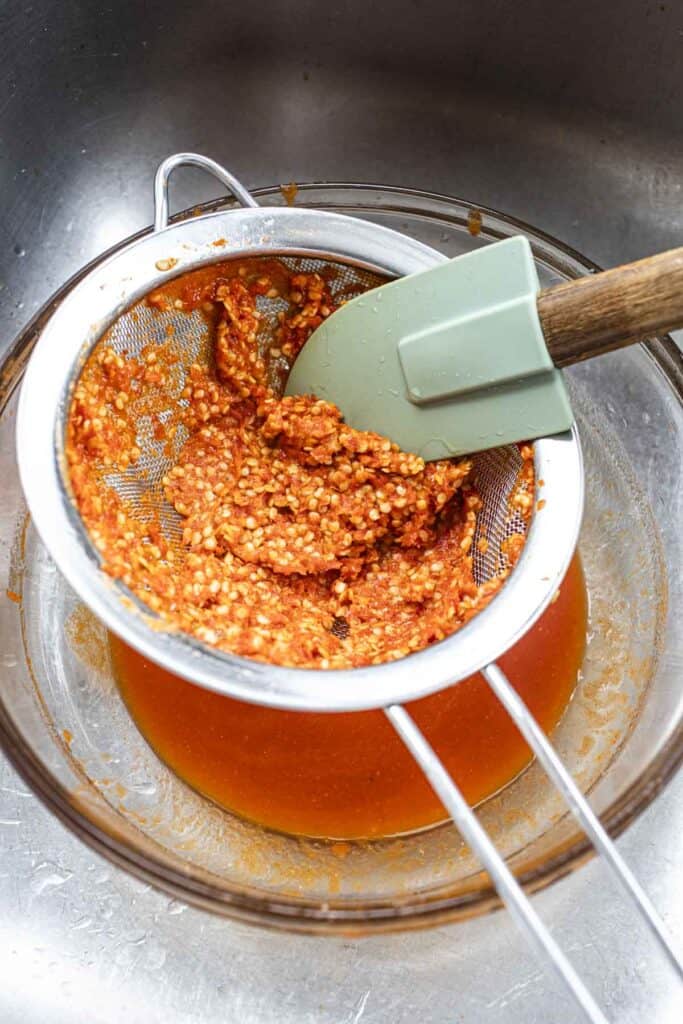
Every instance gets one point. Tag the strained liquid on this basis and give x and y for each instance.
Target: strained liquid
(349, 775)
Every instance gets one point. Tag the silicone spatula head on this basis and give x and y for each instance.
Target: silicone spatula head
(444, 362)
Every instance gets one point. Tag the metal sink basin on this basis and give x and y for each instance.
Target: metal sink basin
(566, 116)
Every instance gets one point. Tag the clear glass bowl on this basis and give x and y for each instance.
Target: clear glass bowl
(69, 734)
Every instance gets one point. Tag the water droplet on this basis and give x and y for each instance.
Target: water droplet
(176, 907)
(48, 875)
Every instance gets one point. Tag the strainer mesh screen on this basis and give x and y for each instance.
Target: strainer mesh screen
(496, 472)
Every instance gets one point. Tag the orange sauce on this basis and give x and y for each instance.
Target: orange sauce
(349, 775)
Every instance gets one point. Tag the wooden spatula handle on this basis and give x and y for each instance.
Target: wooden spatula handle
(604, 311)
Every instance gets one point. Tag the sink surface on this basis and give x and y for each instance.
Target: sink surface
(566, 116)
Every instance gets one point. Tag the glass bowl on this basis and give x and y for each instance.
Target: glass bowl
(68, 732)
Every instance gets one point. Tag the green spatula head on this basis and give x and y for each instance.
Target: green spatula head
(444, 362)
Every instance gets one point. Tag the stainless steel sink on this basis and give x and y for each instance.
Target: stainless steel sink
(566, 115)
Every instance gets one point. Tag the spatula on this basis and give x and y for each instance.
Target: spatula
(466, 356)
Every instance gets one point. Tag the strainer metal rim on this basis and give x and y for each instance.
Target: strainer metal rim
(132, 272)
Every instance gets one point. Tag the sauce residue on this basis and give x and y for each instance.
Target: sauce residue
(474, 222)
(289, 192)
(348, 775)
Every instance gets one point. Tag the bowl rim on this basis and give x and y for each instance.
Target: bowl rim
(301, 914)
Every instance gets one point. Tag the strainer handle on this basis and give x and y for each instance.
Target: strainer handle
(507, 886)
(479, 842)
(579, 806)
(241, 194)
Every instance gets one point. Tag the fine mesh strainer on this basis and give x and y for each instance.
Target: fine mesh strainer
(106, 301)
(495, 472)
(140, 486)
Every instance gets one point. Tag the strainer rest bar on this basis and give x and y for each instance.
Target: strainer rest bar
(579, 806)
(506, 885)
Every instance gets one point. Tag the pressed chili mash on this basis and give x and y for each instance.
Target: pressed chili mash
(302, 542)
